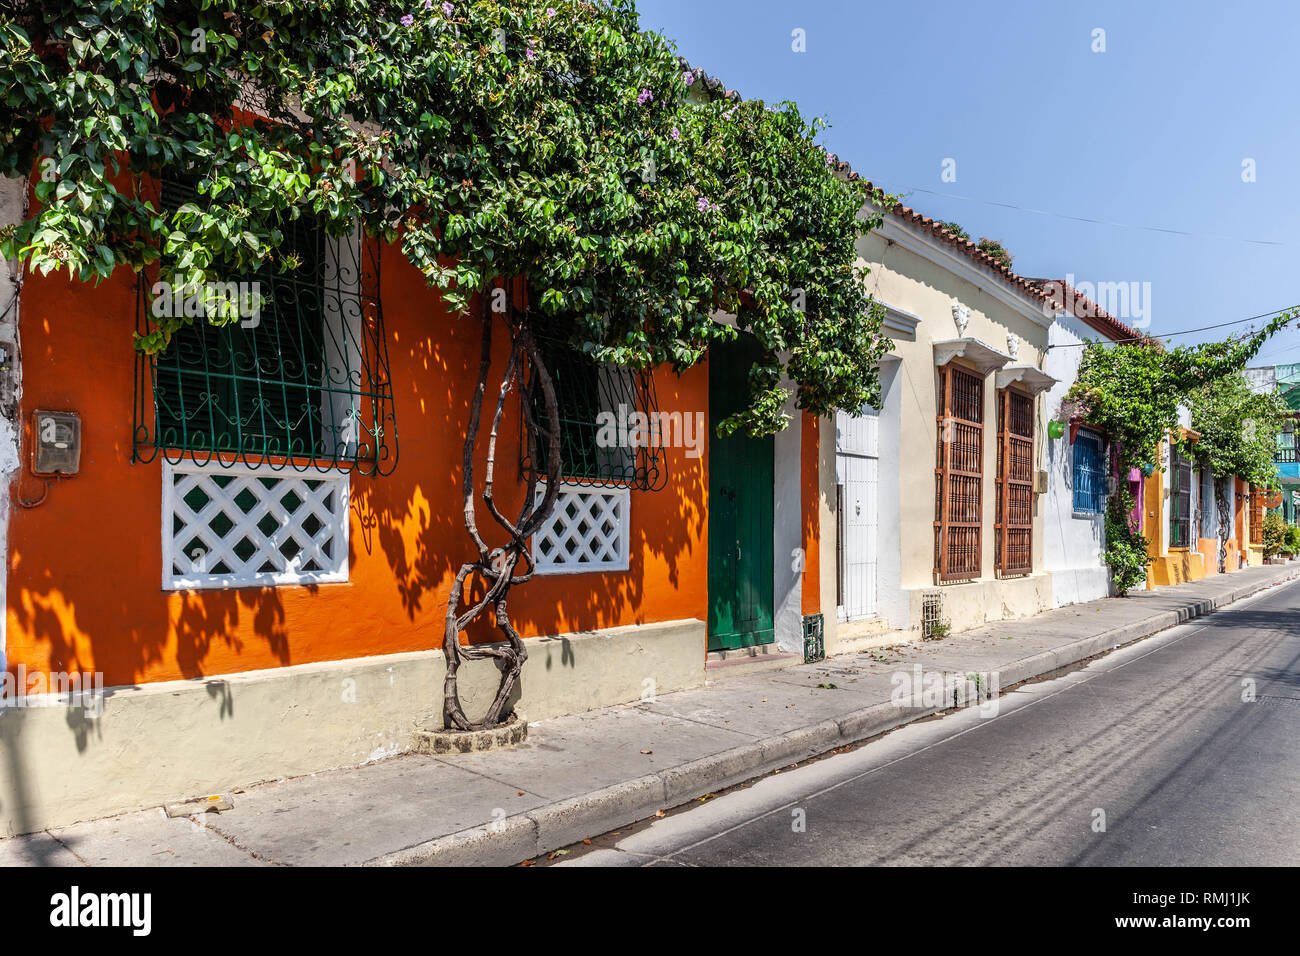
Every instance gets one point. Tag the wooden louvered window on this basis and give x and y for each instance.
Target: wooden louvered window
(959, 474)
(1013, 547)
(1256, 515)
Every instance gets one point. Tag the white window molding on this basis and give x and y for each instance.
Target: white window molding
(236, 526)
(589, 530)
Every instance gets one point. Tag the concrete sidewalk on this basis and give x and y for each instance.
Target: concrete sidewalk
(579, 776)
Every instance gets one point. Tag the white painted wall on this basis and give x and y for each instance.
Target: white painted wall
(1072, 542)
(787, 531)
(892, 602)
(13, 200)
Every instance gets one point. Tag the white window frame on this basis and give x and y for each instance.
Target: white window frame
(171, 581)
(619, 494)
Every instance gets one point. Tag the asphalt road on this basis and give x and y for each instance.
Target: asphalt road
(1146, 757)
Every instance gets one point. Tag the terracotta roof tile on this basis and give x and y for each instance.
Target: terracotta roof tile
(1080, 306)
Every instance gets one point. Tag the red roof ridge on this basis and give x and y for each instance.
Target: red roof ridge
(1083, 308)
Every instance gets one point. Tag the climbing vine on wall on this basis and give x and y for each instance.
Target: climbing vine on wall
(547, 147)
(1133, 391)
(1238, 429)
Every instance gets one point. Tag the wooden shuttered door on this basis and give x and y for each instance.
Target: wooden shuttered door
(1014, 545)
(959, 475)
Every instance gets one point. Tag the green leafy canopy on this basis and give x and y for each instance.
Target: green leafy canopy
(1133, 391)
(1238, 429)
(551, 140)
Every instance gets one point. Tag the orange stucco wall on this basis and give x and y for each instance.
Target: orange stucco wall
(85, 565)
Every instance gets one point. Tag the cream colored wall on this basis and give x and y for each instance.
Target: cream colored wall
(173, 740)
(910, 282)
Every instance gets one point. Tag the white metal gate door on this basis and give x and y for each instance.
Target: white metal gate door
(857, 466)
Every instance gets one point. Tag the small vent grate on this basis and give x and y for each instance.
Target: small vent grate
(932, 623)
(814, 639)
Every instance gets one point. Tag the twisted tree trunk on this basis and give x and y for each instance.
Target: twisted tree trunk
(1221, 502)
(495, 567)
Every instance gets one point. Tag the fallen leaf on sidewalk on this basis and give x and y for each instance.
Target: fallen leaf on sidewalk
(587, 842)
(558, 853)
(647, 751)
(659, 813)
(528, 863)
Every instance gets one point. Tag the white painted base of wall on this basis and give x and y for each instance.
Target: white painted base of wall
(981, 602)
(173, 740)
(1076, 585)
(852, 637)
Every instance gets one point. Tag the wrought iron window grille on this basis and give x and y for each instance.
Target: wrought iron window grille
(612, 431)
(304, 384)
(1091, 483)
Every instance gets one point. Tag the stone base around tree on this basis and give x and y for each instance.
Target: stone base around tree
(430, 737)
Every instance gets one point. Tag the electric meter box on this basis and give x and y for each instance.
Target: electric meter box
(56, 443)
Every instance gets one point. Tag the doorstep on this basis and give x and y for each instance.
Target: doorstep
(735, 662)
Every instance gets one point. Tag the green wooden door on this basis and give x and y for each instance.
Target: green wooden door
(740, 511)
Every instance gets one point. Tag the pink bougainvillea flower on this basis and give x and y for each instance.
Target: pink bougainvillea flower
(529, 53)
(551, 11)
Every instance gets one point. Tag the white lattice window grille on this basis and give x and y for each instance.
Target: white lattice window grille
(236, 526)
(587, 531)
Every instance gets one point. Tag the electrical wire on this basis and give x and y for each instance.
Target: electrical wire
(1097, 222)
(1168, 335)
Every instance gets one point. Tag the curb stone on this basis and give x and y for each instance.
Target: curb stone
(537, 832)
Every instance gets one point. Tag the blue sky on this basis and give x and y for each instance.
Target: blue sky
(1152, 132)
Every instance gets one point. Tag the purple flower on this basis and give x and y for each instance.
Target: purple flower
(644, 97)
(550, 11)
(703, 204)
(447, 8)
(677, 134)
(529, 53)
(407, 20)
(428, 4)
(688, 77)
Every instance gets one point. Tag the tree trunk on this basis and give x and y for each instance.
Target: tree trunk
(495, 567)
(1221, 502)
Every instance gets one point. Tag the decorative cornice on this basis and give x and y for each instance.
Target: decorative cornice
(985, 358)
(901, 323)
(1033, 380)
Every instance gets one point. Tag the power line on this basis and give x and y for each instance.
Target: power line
(1097, 222)
(1169, 335)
